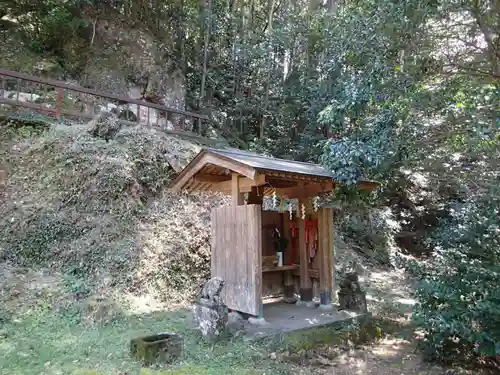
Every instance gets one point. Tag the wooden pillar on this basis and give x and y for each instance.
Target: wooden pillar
(289, 287)
(306, 292)
(237, 197)
(331, 236)
(325, 234)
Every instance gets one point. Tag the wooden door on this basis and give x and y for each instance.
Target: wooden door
(237, 255)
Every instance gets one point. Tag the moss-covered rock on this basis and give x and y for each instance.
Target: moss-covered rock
(161, 348)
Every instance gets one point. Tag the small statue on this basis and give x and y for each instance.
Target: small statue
(212, 289)
(351, 297)
(350, 282)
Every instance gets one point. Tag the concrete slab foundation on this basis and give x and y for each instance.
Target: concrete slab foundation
(282, 318)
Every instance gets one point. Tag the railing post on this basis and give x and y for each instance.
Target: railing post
(59, 111)
(59, 102)
(18, 89)
(2, 88)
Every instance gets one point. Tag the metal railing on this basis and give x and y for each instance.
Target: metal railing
(50, 97)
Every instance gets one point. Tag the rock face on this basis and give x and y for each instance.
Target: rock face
(351, 297)
(210, 314)
(161, 348)
(135, 63)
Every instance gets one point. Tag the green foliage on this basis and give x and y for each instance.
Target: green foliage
(458, 298)
(12, 127)
(385, 124)
(403, 92)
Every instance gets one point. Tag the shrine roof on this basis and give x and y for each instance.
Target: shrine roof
(266, 163)
(215, 166)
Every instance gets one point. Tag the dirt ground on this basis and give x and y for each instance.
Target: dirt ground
(389, 294)
(389, 356)
(24, 292)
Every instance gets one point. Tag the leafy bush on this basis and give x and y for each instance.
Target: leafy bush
(458, 296)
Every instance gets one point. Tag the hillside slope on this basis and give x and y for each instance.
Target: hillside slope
(100, 211)
(89, 220)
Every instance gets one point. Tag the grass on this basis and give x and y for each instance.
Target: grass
(44, 342)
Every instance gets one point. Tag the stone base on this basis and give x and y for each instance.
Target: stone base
(257, 321)
(288, 291)
(290, 300)
(325, 298)
(326, 307)
(354, 301)
(161, 348)
(210, 319)
(309, 304)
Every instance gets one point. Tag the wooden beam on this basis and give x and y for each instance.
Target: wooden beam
(287, 176)
(232, 165)
(370, 186)
(237, 196)
(204, 158)
(3, 178)
(307, 191)
(313, 273)
(211, 178)
(245, 184)
(325, 253)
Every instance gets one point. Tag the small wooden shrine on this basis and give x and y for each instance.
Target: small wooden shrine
(288, 250)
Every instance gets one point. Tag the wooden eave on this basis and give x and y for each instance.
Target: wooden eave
(202, 160)
(210, 171)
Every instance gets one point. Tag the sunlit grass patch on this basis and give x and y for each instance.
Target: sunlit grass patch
(44, 342)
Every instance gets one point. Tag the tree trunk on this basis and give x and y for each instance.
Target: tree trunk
(269, 67)
(207, 5)
(332, 5)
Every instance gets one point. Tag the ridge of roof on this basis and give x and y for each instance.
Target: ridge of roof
(273, 163)
(250, 153)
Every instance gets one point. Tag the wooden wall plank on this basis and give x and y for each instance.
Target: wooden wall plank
(237, 255)
(254, 240)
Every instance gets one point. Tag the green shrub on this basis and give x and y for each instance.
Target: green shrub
(459, 295)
